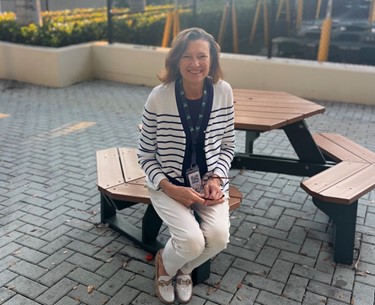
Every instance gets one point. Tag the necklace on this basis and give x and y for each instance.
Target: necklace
(193, 131)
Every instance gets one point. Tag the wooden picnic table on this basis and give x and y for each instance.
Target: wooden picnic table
(261, 111)
(340, 170)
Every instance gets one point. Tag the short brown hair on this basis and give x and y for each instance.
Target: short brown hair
(179, 45)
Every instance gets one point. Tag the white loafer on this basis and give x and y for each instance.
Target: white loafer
(184, 288)
(164, 288)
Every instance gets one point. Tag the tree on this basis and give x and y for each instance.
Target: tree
(28, 11)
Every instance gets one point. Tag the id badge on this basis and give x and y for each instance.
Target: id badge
(194, 178)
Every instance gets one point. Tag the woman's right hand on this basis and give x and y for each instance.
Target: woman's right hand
(185, 195)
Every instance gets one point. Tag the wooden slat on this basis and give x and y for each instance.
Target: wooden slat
(276, 106)
(286, 105)
(345, 177)
(257, 124)
(352, 188)
(264, 121)
(248, 92)
(299, 111)
(340, 148)
(285, 99)
(333, 150)
(130, 166)
(283, 116)
(130, 192)
(109, 171)
(333, 175)
(235, 198)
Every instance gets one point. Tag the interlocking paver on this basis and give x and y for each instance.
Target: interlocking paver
(20, 300)
(56, 292)
(56, 273)
(280, 271)
(295, 288)
(51, 240)
(26, 287)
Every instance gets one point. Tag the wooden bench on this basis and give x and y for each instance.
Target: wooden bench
(121, 183)
(336, 190)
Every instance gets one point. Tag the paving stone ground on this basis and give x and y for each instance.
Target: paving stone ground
(53, 247)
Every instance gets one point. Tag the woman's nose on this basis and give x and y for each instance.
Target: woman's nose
(195, 62)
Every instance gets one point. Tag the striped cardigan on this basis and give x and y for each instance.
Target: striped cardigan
(162, 139)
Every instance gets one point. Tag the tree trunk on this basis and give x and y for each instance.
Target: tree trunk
(28, 11)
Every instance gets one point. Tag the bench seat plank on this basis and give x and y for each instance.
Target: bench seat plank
(129, 162)
(343, 183)
(340, 148)
(109, 171)
(130, 192)
(352, 188)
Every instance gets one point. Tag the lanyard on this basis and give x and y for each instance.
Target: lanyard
(193, 131)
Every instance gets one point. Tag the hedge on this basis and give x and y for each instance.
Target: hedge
(63, 28)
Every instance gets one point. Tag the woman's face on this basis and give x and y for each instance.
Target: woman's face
(195, 62)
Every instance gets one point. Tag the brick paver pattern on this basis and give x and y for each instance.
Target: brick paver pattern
(53, 249)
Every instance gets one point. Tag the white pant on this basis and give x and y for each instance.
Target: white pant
(191, 243)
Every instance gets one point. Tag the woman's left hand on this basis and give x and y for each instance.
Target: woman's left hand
(212, 192)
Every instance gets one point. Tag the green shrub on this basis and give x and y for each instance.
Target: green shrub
(63, 28)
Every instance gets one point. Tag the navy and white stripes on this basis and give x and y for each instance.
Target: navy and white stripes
(162, 140)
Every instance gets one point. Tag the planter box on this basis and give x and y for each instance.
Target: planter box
(54, 67)
(140, 65)
(126, 63)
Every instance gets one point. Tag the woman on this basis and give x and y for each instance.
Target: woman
(186, 148)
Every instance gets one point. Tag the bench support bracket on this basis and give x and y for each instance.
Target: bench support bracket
(344, 219)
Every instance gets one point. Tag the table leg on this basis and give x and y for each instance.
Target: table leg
(344, 220)
(303, 143)
(251, 136)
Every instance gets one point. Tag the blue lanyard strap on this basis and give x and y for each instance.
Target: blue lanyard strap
(193, 131)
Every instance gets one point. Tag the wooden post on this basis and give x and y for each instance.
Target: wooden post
(234, 27)
(325, 35)
(371, 16)
(223, 24)
(318, 7)
(109, 21)
(299, 14)
(255, 21)
(271, 28)
(167, 30)
(265, 23)
(172, 24)
(176, 22)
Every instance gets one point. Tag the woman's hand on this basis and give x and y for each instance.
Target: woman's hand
(212, 191)
(185, 195)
